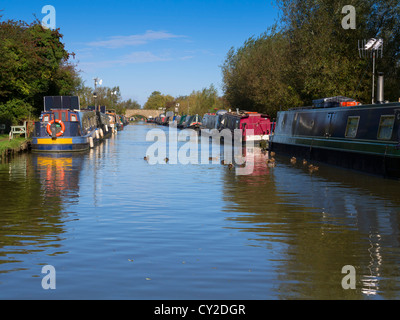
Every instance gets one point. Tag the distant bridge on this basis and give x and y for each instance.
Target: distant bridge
(145, 113)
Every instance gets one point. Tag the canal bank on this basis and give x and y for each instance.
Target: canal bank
(10, 148)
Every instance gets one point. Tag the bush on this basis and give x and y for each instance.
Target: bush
(13, 112)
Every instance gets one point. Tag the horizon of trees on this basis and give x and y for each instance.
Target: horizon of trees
(34, 63)
(198, 102)
(308, 55)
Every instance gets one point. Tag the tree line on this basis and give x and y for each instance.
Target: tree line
(308, 55)
(35, 63)
(305, 55)
(198, 102)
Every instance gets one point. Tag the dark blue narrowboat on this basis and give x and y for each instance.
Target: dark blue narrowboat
(63, 127)
(343, 132)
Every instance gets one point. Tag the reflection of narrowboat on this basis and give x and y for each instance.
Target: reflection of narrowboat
(360, 137)
(255, 126)
(63, 127)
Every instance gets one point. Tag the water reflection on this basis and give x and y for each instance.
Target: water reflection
(35, 189)
(325, 220)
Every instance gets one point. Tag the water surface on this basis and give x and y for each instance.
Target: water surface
(115, 227)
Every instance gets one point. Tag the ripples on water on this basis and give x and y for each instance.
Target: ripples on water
(115, 227)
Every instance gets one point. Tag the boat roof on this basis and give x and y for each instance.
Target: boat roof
(61, 102)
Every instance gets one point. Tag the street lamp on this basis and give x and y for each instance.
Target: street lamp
(95, 97)
(97, 81)
(373, 47)
(113, 93)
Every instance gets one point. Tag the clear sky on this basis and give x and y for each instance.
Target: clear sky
(142, 46)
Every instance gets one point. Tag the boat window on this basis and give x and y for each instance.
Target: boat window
(73, 117)
(56, 116)
(46, 118)
(352, 127)
(237, 124)
(63, 116)
(386, 127)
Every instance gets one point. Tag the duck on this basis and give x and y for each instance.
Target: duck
(304, 162)
(271, 164)
(272, 154)
(166, 159)
(230, 166)
(147, 158)
(223, 162)
(293, 160)
(312, 168)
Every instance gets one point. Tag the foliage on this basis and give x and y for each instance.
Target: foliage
(311, 56)
(157, 101)
(34, 63)
(13, 110)
(198, 102)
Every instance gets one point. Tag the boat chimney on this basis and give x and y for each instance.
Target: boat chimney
(380, 89)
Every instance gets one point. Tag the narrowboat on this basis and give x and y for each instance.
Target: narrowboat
(115, 120)
(63, 127)
(150, 119)
(213, 120)
(343, 133)
(181, 122)
(255, 127)
(104, 125)
(103, 122)
(112, 116)
(193, 122)
(120, 124)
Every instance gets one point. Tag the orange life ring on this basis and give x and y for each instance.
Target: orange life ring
(60, 123)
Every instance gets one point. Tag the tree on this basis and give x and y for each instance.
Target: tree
(309, 55)
(34, 63)
(157, 100)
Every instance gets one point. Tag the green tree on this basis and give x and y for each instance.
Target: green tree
(157, 100)
(34, 63)
(309, 55)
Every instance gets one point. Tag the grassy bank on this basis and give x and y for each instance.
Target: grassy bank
(13, 146)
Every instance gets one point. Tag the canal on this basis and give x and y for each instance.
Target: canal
(114, 226)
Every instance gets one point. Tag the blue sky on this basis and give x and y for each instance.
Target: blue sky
(141, 46)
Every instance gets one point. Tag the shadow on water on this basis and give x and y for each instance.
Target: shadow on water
(317, 223)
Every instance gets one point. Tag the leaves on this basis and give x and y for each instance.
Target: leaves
(33, 63)
(311, 56)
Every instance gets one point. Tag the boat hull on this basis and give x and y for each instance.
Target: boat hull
(73, 144)
(328, 135)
